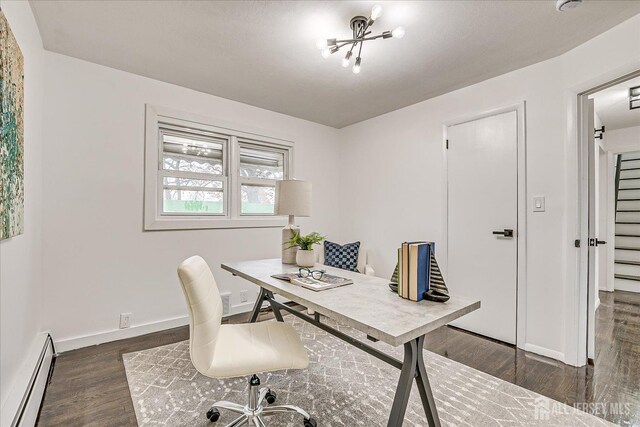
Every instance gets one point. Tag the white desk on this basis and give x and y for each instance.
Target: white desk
(368, 306)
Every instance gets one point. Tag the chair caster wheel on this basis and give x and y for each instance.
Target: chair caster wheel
(213, 414)
(271, 397)
(310, 423)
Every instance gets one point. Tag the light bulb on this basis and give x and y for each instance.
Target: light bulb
(326, 52)
(345, 60)
(356, 66)
(322, 43)
(376, 12)
(398, 32)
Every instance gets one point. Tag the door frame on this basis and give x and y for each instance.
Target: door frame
(579, 314)
(521, 225)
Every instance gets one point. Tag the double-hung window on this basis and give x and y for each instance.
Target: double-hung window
(193, 174)
(260, 167)
(201, 174)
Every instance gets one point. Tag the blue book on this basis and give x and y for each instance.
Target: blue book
(419, 268)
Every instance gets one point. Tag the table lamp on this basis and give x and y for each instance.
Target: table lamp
(293, 198)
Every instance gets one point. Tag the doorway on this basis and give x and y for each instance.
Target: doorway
(485, 225)
(611, 131)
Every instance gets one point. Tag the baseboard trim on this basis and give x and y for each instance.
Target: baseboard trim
(75, 343)
(22, 391)
(543, 351)
(241, 308)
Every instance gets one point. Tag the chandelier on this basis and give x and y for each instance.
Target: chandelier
(360, 27)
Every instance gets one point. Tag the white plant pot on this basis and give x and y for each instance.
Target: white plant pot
(305, 258)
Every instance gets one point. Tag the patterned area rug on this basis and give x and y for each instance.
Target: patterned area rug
(343, 386)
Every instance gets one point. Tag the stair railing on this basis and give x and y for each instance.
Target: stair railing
(618, 165)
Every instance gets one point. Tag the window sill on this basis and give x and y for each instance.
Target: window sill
(182, 223)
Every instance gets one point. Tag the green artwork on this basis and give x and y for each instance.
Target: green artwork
(12, 133)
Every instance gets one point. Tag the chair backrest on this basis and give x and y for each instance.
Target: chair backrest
(205, 310)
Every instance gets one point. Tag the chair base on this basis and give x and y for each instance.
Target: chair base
(257, 408)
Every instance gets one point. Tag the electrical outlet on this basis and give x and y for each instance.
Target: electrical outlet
(125, 320)
(244, 296)
(226, 303)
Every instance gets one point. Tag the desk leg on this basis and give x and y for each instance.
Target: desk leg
(276, 310)
(428, 402)
(407, 374)
(413, 368)
(263, 296)
(257, 306)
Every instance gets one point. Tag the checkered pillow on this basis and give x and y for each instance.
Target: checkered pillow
(341, 256)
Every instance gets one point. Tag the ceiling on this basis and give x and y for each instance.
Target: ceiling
(264, 53)
(612, 106)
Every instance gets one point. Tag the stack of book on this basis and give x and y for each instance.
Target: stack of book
(414, 263)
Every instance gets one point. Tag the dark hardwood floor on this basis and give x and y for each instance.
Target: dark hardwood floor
(88, 387)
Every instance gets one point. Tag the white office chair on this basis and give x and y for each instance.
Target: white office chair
(223, 351)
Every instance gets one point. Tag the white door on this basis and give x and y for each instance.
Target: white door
(482, 201)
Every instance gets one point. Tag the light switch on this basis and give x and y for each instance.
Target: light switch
(538, 204)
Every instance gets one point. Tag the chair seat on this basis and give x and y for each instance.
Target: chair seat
(249, 348)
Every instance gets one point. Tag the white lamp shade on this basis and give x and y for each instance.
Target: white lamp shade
(293, 197)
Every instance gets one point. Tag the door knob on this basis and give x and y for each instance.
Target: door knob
(596, 242)
(506, 232)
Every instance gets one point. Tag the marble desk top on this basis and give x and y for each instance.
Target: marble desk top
(366, 305)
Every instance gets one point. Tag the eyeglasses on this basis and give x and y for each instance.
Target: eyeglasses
(305, 272)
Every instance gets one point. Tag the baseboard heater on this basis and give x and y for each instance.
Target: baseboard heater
(27, 413)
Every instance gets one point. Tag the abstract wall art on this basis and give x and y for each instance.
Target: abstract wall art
(11, 133)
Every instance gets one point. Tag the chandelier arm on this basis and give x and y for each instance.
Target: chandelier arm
(368, 24)
(343, 43)
(359, 39)
(364, 30)
(373, 37)
(348, 41)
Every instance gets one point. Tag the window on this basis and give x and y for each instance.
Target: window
(193, 173)
(260, 168)
(204, 175)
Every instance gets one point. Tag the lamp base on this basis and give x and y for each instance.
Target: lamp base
(289, 254)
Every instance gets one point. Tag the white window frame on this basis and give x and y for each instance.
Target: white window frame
(157, 118)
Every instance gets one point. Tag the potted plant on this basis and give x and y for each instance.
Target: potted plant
(305, 256)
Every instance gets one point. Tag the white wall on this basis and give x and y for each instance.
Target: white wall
(623, 140)
(21, 256)
(98, 261)
(395, 162)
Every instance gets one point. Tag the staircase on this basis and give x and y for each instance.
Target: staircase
(627, 242)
